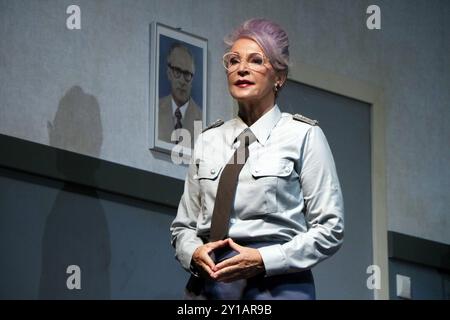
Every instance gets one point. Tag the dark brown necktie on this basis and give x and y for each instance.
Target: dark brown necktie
(178, 115)
(227, 187)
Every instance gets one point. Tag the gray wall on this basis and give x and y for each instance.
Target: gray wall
(108, 59)
(105, 64)
(121, 245)
(351, 150)
(426, 283)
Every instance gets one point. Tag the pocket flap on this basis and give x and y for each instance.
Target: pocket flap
(208, 170)
(271, 167)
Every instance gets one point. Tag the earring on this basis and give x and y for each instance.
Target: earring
(277, 86)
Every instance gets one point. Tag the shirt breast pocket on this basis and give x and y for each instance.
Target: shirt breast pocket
(207, 175)
(273, 177)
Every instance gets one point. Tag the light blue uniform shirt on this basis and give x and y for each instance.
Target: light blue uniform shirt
(288, 193)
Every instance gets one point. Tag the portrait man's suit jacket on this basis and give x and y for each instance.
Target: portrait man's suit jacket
(167, 124)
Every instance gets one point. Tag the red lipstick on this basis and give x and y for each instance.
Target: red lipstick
(243, 83)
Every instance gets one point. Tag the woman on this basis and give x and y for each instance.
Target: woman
(262, 202)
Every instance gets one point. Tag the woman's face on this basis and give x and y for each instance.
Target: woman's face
(244, 82)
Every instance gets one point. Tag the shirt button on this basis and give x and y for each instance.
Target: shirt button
(256, 170)
(213, 171)
(232, 220)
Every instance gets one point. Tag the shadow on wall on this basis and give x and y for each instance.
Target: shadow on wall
(76, 232)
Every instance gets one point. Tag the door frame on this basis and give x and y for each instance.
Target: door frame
(373, 95)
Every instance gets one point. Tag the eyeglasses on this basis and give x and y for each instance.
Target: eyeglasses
(177, 72)
(255, 61)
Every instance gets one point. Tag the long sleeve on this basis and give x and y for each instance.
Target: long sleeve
(324, 211)
(184, 227)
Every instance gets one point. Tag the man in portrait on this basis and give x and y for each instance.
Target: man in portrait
(178, 110)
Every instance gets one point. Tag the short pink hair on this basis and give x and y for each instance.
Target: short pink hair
(269, 36)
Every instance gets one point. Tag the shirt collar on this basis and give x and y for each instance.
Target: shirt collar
(262, 127)
(182, 108)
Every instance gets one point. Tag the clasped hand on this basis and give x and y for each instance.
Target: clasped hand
(247, 263)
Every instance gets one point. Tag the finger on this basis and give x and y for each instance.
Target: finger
(228, 262)
(227, 273)
(206, 259)
(202, 257)
(207, 269)
(218, 244)
(233, 245)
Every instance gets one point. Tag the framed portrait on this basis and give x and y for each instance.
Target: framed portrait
(178, 74)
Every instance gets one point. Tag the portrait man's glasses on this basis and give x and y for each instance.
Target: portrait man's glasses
(177, 72)
(255, 61)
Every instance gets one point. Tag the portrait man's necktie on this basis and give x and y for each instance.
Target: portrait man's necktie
(178, 115)
(227, 187)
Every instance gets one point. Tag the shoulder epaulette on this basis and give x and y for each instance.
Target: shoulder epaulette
(215, 124)
(301, 118)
